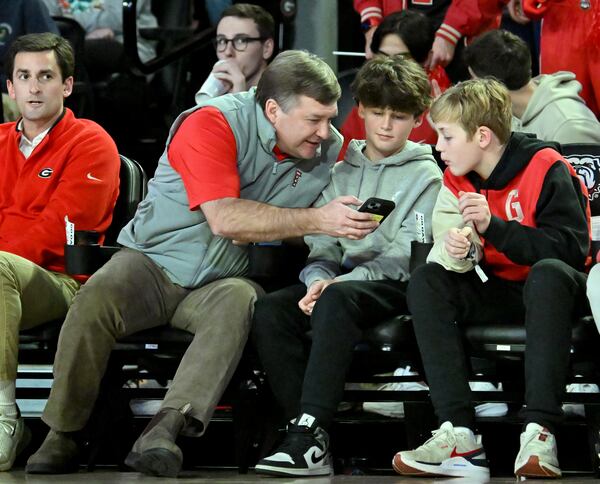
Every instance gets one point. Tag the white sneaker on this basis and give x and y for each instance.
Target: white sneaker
(453, 452)
(395, 409)
(578, 409)
(497, 409)
(537, 456)
(14, 436)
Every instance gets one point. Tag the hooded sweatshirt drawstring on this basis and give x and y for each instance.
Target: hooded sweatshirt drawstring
(379, 176)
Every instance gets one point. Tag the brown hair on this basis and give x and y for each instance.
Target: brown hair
(393, 82)
(501, 55)
(39, 43)
(263, 19)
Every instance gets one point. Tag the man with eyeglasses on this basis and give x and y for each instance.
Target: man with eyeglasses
(244, 43)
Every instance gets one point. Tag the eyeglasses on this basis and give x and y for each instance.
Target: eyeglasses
(239, 42)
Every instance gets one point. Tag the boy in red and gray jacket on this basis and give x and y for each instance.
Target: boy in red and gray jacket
(511, 239)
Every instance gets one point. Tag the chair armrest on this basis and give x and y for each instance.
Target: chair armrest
(418, 254)
(277, 264)
(87, 259)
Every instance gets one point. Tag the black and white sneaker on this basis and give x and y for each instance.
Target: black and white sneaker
(304, 451)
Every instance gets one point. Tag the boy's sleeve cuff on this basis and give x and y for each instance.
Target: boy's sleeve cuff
(495, 229)
(448, 33)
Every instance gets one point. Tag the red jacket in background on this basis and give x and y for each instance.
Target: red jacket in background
(73, 172)
(569, 42)
(463, 18)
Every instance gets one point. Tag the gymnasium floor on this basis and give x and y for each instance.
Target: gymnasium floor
(107, 476)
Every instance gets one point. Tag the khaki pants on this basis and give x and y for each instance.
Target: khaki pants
(129, 294)
(29, 296)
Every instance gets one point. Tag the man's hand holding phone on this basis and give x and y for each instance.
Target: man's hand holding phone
(378, 207)
(337, 219)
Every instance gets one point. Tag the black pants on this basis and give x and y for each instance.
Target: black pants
(309, 378)
(442, 301)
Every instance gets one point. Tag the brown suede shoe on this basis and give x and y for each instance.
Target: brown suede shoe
(58, 454)
(155, 452)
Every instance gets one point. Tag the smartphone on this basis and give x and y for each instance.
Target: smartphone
(379, 207)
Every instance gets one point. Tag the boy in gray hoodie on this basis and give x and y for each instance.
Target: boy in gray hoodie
(548, 105)
(349, 285)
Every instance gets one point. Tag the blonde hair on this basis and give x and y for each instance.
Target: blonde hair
(475, 103)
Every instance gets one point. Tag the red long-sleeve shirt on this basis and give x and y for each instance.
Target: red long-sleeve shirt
(73, 172)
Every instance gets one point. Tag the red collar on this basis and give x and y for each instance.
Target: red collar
(280, 155)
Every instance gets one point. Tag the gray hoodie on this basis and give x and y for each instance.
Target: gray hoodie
(555, 112)
(412, 180)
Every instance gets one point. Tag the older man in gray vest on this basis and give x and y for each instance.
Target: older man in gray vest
(241, 167)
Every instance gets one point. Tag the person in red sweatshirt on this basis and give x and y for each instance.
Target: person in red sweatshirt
(569, 42)
(52, 166)
(454, 21)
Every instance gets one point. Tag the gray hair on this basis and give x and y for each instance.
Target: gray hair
(295, 73)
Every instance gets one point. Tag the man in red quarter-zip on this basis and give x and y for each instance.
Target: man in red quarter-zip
(52, 166)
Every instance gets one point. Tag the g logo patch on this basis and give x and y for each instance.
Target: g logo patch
(513, 208)
(46, 173)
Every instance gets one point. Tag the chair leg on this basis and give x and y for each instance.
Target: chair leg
(246, 423)
(110, 419)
